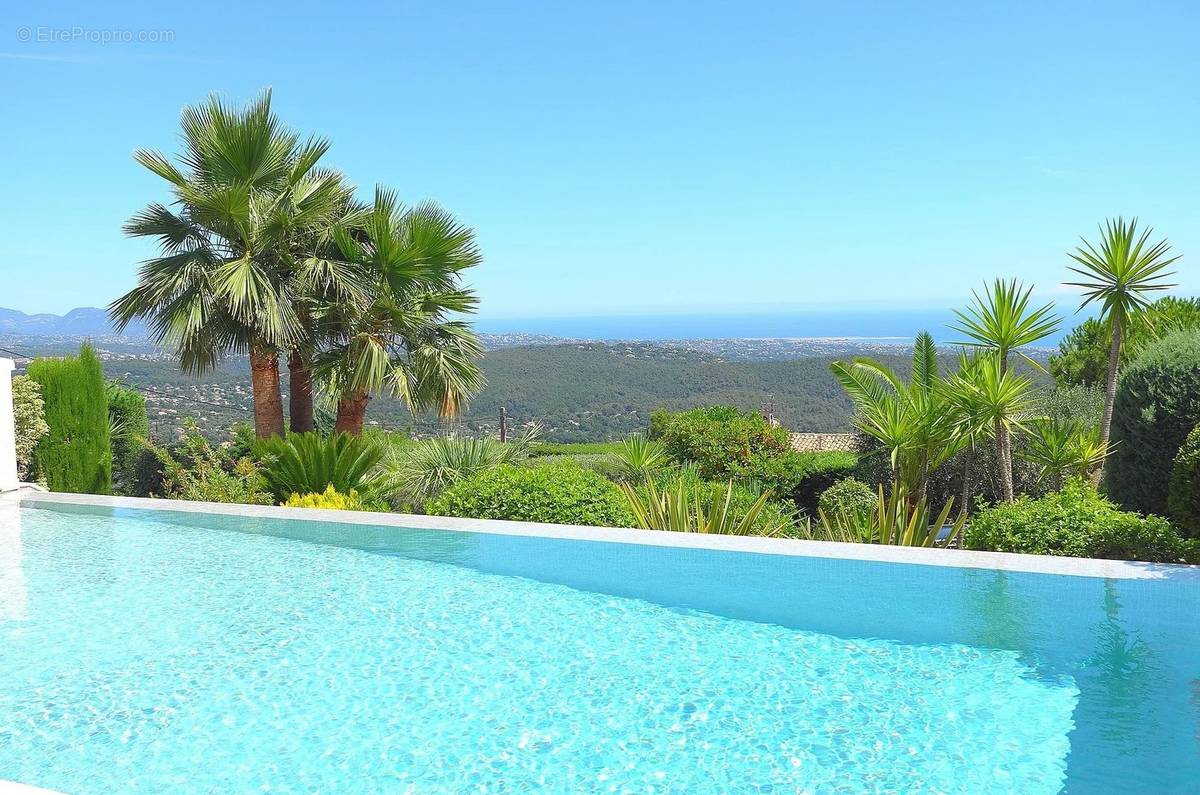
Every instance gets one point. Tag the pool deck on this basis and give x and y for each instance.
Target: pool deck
(1002, 561)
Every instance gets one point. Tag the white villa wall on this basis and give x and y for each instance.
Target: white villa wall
(8, 433)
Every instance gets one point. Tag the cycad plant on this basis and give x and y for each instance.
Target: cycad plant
(401, 337)
(308, 463)
(688, 507)
(1118, 276)
(248, 202)
(912, 420)
(896, 521)
(1002, 321)
(1062, 449)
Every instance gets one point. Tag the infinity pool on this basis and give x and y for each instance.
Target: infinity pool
(156, 651)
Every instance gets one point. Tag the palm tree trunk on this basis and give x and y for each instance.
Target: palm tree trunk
(1110, 394)
(1004, 440)
(268, 402)
(351, 410)
(300, 393)
(968, 474)
(1006, 476)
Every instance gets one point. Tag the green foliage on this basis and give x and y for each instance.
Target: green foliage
(847, 496)
(574, 449)
(894, 520)
(427, 468)
(639, 457)
(198, 471)
(817, 472)
(331, 500)
(689, 508)
(1061, 449)
(75, 456)
(1082, 357)
(559, 494)
(774, 517)
(1075, 522)
(1183, 493)
(913, 421)
(1080, 403)
(721, 440)
(1157, 406)
(129, 427)
(307, 463)
(29, 417)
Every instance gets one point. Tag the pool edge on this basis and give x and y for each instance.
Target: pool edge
(999, 561)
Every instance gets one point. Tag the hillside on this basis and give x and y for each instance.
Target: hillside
(586, 391)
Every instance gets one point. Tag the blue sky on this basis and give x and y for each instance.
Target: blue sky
(639, 157)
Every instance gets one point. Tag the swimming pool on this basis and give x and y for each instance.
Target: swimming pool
(147, 651)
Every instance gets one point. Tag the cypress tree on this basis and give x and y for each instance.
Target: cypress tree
(75, 456)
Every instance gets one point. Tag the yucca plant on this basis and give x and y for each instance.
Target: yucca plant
(423, 471)
(687, 507)
(1063, 448)
(1001, 321)
(1119, 275)
(895, 521)
(308, 463)
(913, 420)
(639, 458)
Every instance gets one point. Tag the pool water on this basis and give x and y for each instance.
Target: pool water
(148, 651)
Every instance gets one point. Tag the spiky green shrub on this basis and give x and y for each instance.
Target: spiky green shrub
(687, 508)
(847, 496)
(1157, 406)
(424, 470)
(330, 500)
(1183, 495)
(29, 417)
(894, 520)
(559, 494)
(639, 457)
(129, 427)
(308, 463)
(1076, 522)
(774, 517)
(75, 456)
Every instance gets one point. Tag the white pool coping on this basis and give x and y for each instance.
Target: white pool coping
(1000, 561)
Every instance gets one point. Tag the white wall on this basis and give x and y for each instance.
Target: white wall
(8, 434)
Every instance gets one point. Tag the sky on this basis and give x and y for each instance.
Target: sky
(630, 157)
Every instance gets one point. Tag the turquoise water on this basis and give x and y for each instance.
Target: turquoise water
(164, 652)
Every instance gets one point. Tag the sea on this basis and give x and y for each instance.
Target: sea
(883, 324)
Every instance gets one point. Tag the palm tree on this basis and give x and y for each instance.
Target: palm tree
(1001, 321)
(399, 337)
(1062, 448)
(1006, 401)
(1119, 275)
(961, 392)
(248, 199)
(910, 419)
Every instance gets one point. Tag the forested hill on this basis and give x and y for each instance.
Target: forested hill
(585, 391)
(593, 391)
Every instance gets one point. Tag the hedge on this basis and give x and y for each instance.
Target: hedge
(1157, 406)
(558, 494)
(1183, 492)
(75, 456)
(1075, 522)
(128, 418)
